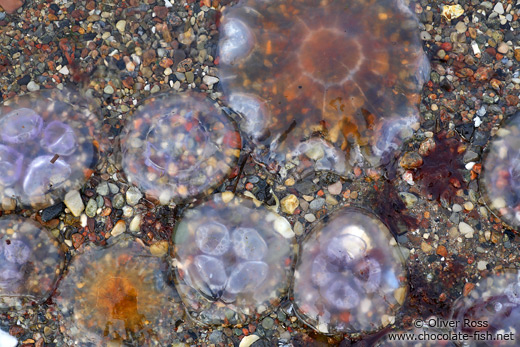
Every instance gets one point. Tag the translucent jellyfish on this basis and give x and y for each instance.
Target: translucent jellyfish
(117, 294)
(490, 313)
(349, 72)
(30, 262)
(350, 276)
(500, 178)
(249, 276)
(47, 146)
(179, 146)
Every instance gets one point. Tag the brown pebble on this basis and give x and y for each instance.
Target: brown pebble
(441, 250)
(411, 160)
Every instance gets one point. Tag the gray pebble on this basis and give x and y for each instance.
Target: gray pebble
(91, 208)
(102, 189)
(33, 86)
(133, 195)
(316, 204)
(267, 323)
(118, 201)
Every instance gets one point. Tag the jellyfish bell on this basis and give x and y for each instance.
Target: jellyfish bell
(48, 146)
(349, 267)
(327, 68)
(189, 144)
(232, 259)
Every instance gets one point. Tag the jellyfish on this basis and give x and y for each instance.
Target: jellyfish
(179, 146)
(119, 294)
(490, 313)
(349, 275)
(500, 178)
(232, 259)
(348, 72)
(47, 146)
(30, 262)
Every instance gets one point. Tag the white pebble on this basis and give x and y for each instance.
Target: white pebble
(64, 70)
(74, 203)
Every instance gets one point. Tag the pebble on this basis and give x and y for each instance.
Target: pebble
(118, 201)
(119, 228)
(64, 70)
(408, 198)
(456, 208)
(102, 189)
(74, 203)
(466, 230)
(121, 25)
(248, 340)
(309, 217)
(411, 160)
(316, 204)
(335, 188)
(499, 8)
(210, 80)
(135, 224)
(503, 48)
(461, 27)
(267, 323)
(482, 265)
(468, 205)
(108, 89)
(289, 204)
(91, 208)
(33, 86)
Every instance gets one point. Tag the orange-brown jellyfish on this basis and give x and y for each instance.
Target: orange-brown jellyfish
(117, 294)
(347, 71)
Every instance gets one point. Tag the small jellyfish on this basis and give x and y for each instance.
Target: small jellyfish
(490, 313)
(189, 147)
(30, 262)
(348, 72)
(117, 294)
(47, 146)
(500, 178)
(241, 279)
(349, 276)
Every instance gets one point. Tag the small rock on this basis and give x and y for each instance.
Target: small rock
(118, 201)
(6, 340)
(119, 228)
(289, 204)
(33, 86)
(456, 208)
(335, 188)
(426, 248)
(316, 204)
(74, 203)
(64, 70)
(159, 248)
(135, 224)
(210, 80)
(91, 208)
(466, 230)
(482, 265)
(499, 8)
(411, 160)
(102, 189)
(267, 323)
(408, 198)
(461, 27)
(309, 217)
(108, 89)
(248, 340)
(121, 25)
(503, 48)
